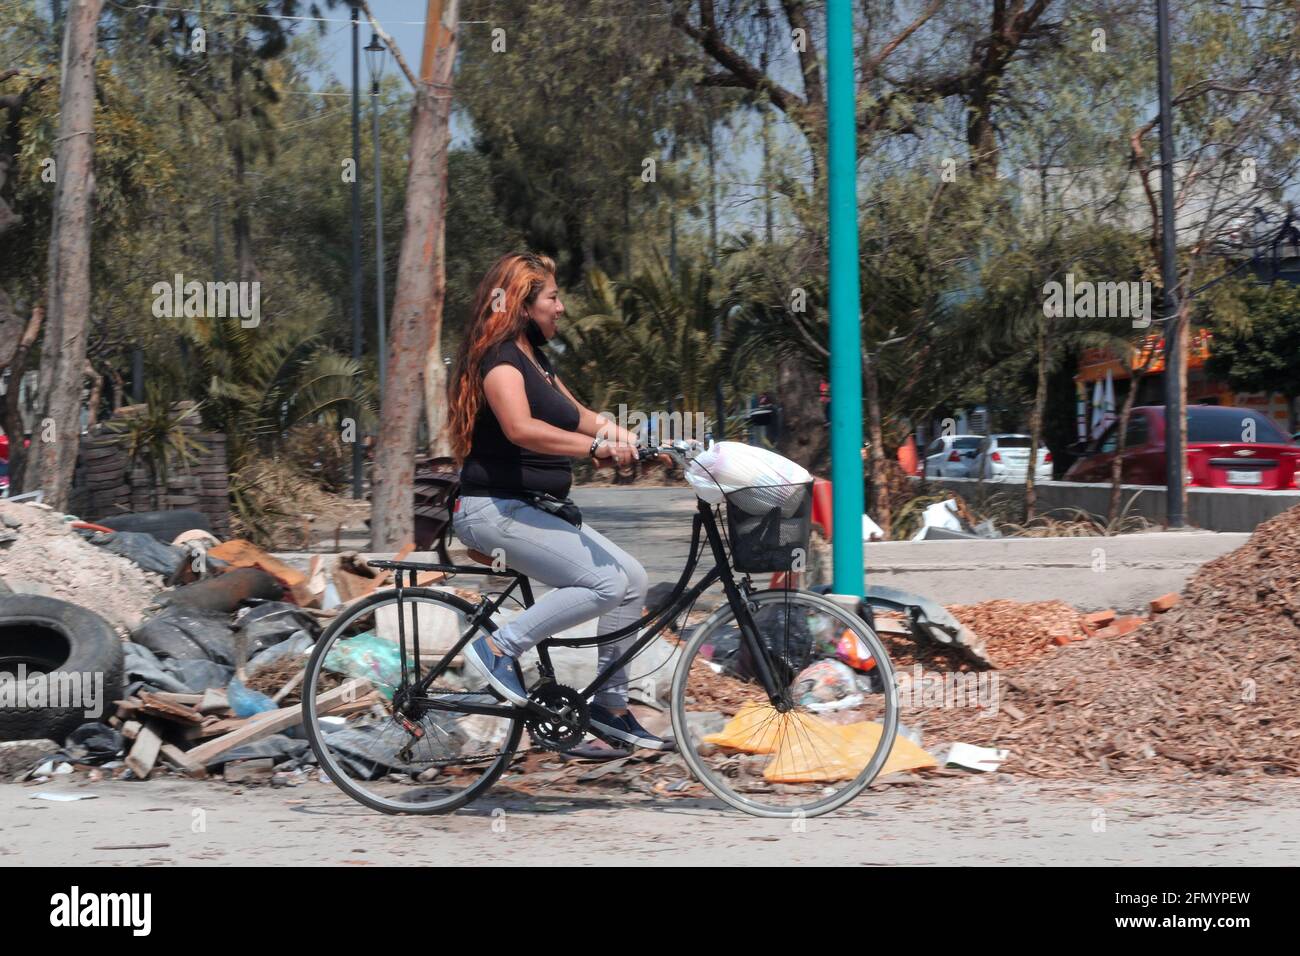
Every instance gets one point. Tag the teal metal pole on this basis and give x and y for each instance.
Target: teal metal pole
(846, 327)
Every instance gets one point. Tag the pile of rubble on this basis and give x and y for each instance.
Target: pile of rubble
(41, 554)
(208, 657)
(1211, 686)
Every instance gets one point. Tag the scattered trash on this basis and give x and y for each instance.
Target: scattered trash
(368, 656)
(225, 592)
(145, 550)
(189, 633)
(245, 702)
(94, 743)
(53, 768)
(941, 514)
(827, 685)
(971, 757)
(65, 798)
(265, 625)
(812, 749)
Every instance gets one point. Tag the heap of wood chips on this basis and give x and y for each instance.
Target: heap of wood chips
(1017, 632)
(1211, 687)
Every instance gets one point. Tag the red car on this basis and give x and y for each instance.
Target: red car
(1226, 448)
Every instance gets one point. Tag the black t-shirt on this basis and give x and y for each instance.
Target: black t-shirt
(497, 467)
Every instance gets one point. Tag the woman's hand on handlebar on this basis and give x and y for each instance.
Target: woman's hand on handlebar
(622, 454)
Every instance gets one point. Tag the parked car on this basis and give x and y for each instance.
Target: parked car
(1226, 448)
(950, 456)
(1006, 458)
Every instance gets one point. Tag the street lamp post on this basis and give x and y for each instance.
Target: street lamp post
(376, 57)
(1175, 499)
(358, 459)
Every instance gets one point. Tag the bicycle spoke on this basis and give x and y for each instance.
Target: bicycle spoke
(793, 758)
(416, 757)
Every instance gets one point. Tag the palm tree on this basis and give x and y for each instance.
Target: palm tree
(259, 382)
(647, 342)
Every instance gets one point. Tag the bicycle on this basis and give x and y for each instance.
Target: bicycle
(401, 729)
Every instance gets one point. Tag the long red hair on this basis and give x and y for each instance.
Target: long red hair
(514, 281)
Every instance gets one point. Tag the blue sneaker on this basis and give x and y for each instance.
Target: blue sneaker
(499, 672)
(625, 730)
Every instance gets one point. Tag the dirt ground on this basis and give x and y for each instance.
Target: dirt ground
(986, 819)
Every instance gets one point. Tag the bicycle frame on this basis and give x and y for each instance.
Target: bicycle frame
(681, 599)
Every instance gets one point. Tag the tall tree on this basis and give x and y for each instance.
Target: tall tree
(421, 280)
(63, 359)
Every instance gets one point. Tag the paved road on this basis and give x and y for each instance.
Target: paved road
(1123, 572)
(970, 820)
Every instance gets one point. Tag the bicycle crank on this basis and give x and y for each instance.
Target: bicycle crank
(566, 726)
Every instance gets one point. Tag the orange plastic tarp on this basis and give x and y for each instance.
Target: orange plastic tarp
(807, 749)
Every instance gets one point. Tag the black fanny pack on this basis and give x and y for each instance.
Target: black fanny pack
(560, 507)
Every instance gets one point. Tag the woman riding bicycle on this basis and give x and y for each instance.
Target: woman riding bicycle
(514, 428)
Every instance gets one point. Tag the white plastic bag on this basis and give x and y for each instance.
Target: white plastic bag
(731, 465)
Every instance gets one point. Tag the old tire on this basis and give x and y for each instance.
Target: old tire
(51, 636)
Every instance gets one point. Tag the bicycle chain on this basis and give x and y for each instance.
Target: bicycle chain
(475, 758)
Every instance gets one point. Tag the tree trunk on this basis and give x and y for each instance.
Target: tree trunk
(881, 505)
(802, 436)
(435, 402)
(1036, 421)
(417, 300)
(63, 353)
(11, 419)
(1121, 446)
(245, 264)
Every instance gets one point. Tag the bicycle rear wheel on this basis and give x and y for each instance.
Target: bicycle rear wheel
(832, 732)
(422, 754)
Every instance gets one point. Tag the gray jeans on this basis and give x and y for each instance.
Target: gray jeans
(590, 574)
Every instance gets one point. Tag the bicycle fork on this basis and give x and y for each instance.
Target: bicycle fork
(749, 636)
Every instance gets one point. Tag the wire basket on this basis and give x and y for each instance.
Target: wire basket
(769, 526)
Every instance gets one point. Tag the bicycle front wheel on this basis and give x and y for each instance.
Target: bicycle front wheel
(385, 747)
(833, 729)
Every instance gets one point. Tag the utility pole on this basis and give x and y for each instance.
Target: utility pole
(1175, 467)
(358, 452)
(376, 51)
(846, 325)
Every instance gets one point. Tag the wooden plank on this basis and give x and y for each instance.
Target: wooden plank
(131, 729)
(274, 721)
(175, 757)
(213, 727)
(212, 701)
(144, 753)
(188, 700)
(159, 707)
(293, 682)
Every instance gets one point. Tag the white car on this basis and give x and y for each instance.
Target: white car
(951, 456)
(1006, 458)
